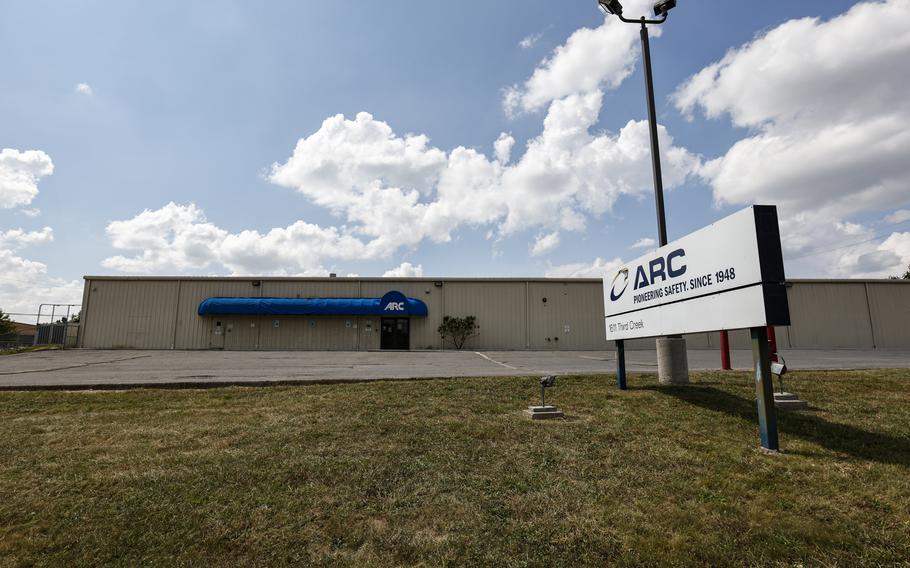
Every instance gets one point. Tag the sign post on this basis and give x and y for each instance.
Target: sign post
(725, 350)
(620, 364)
(764, 392)
(728, 275)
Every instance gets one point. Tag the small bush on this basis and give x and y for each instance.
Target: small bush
(457, 330)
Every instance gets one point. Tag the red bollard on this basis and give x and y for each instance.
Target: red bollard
(725, 351)
(772, 344)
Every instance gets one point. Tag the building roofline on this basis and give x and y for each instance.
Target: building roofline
(443, 279)
(848, 280)
(336, 279)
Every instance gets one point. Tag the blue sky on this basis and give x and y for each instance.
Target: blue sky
(193, 103)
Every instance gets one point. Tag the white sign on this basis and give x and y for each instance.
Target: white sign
(728, 275)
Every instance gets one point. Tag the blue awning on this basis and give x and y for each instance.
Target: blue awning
(391, 304)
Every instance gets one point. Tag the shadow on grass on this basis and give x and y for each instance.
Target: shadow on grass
(841, 438)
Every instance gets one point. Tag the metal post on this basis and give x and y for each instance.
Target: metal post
(66, 323)
(764, 390)
(668, 368)
(37, 324)
(543, 395)
(655, 148)
(621, 364)
(50, 328)
(725, 351)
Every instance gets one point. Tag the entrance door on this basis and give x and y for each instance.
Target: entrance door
(396, 333)
(217, 341)
(235, 334)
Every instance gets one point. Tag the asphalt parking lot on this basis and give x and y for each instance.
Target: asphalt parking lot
(82, 368)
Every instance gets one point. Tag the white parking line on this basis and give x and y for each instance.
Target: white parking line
(495, 361)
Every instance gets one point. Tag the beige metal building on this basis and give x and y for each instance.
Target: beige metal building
(537, 314)
(163, 313)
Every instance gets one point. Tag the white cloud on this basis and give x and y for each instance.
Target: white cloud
(830, 122)
(30, 212)
(24, 284)
(414, 191)
(545, 244)
(869, 259)
(597, 269)
(502, 148)
(817, 244)
(18, 238)
(174, 237)
(357, 153)
(404, 270)
(528, 42)
(567, 173)
(897, 244)
(590, 59)
(179, 237)
(394, 191)
(19, 175)
(644, 243)
(84, 89)
(898, 216)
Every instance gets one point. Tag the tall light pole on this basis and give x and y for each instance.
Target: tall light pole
(672, 363)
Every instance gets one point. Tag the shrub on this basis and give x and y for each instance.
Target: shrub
(457, 330)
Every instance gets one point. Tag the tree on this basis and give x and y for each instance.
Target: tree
(6, 325)
(457, 330)
(905, 276)
(73, 319)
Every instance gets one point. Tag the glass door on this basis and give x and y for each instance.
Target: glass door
(396, 333)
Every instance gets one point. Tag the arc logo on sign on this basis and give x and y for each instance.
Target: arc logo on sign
(394, 302)
(624, 283)
(657, 269)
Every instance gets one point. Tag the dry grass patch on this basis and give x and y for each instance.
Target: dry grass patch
(449, 472)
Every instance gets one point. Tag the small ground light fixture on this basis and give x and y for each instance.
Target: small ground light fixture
(544, 411)
(785, 400)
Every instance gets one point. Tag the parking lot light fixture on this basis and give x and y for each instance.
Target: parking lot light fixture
(672, 368)
(612, 7)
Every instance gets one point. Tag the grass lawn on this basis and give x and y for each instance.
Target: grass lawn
(32, 349)
(451, 473)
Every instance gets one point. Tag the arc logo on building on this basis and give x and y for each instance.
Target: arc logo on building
(394, 302)
(728, 275)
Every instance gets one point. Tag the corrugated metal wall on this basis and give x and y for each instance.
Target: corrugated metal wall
(889, 306)
(194, 332)
(829, 315)
(500, 308)
(566, 316)
(151, 313)
(129, 314)
(324, 333)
